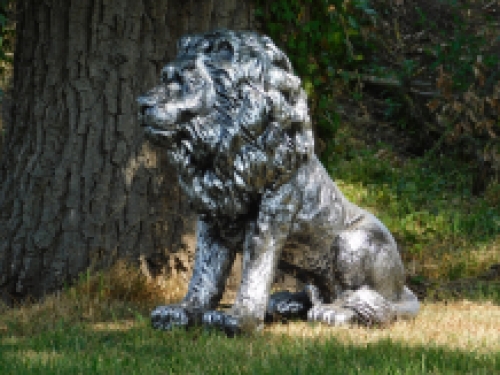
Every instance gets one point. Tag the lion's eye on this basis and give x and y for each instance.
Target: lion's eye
(206, 46)
(225, 46)
(225, 50)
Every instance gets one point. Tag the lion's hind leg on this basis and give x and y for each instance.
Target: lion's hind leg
(370, 277)
(408, 306)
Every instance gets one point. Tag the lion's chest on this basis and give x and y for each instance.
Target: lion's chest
(321, 213)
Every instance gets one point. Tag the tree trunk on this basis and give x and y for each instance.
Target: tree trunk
(79, 185)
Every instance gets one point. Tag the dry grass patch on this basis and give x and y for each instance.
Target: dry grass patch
(123, 325)
(123, 292)
(461, 325)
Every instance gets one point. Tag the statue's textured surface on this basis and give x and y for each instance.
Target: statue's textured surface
(233, 118)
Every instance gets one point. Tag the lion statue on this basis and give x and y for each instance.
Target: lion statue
(233, 119)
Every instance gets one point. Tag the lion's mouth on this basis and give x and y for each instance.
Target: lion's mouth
(180, 147)
(166, 134)
(166, 137)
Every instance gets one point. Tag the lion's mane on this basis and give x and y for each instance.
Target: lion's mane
(233, 118)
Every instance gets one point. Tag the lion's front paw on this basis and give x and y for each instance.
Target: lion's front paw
(331, 314)
(170, 316)
(214, 319)
(230, 324)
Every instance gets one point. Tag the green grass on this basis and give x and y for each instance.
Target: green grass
(101, 326)
(141, 350)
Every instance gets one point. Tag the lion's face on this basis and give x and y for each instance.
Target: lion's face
(180, 113)
(232, 118)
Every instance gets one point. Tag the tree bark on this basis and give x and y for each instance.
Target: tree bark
(79, 186)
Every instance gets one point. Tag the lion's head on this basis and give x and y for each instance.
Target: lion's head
(233, 119)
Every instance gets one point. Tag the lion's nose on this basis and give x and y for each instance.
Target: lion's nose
(145, 101)
(143, 109)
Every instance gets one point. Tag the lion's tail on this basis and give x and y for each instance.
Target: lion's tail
(408, 306)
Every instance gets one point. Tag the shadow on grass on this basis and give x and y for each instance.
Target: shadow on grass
(468, 289)
(145, 351)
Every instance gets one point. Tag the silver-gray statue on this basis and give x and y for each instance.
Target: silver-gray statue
(233, 119)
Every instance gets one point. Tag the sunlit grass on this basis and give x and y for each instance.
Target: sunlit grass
(461, 325)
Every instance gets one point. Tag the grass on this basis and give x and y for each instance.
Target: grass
(101, 326)
(135, 348)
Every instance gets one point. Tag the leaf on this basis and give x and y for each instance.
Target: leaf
(275, 7)
(275, 28)
(315, 25)
(312, 67)
(323, 103)
(288, 15)
(472, 116)
(335, 38)
(433, 105)
(457, 106)
(353, 22)
(317, 81)
(493, 103)
(302, 47)
(308, 87)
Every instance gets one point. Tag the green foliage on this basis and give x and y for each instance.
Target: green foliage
(458, 56)
(321, 37)
(454, 65)
(461, 59)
